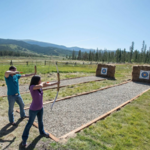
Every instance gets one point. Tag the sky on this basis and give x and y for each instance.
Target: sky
(102, 24)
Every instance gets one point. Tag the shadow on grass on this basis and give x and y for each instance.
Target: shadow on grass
(141, 82)
(11, 141)
(108, 78)
(32, 145)
(9, 128)
(111, 79)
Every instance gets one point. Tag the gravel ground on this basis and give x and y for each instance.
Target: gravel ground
(24, 88)
(69, 114)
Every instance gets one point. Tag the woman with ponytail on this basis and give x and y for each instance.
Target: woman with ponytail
(36, 107)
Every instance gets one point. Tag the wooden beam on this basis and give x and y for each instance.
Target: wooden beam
(61, 86)
(101, 117)
(50, 135)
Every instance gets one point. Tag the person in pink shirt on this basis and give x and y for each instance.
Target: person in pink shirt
(36, 107)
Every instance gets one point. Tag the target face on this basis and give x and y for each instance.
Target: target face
(144, 74)
(104, 71)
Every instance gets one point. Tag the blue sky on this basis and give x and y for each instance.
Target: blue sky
(108, 24)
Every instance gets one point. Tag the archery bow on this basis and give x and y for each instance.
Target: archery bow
(58, 78)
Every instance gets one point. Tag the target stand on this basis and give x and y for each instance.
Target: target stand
(105, 70)
(141, 74)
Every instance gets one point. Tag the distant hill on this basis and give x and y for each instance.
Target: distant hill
(15, 50)
(34, 48)
(44, 44)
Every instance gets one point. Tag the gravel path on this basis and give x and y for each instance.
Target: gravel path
(24, 88)
(69, 114)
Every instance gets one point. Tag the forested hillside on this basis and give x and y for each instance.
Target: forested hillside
(14, 50)
(4, 43)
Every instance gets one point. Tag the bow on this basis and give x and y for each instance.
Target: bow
(58, 78)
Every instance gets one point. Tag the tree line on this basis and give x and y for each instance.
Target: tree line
(15, 53)
(119, 56)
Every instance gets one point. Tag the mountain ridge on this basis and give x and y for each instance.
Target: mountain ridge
(46, 44)
(36, 48)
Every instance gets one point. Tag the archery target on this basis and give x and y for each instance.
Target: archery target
(144, 74)
(104, 71)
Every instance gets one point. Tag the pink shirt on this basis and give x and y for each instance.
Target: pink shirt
(37, 99)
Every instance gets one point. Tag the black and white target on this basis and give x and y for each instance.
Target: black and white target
(144, 74)
(104, 71)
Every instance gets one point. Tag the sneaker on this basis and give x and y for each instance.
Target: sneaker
(13, 124)
(24, 117)
(45, 134)
(23, 144)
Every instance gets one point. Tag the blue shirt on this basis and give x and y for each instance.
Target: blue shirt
(13, 84)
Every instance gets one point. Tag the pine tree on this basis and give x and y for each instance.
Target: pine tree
(96, 55)
(131, 51)
(142, 52)
(79, 55)
(73, 55)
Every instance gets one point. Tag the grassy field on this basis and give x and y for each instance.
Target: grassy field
(48, 72)
(125, 129)
(68, 70)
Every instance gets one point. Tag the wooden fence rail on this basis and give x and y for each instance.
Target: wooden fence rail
(45, 62)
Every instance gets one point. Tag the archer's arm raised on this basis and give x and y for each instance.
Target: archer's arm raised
(50, 84)
(27, 75)
(43, 84)
(7, 73)
(39, 86)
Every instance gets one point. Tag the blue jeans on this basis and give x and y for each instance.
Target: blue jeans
(11, 101)
(32, 115)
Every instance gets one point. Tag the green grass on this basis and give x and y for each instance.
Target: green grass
(42, 69)
(121, 70)
(127, 129)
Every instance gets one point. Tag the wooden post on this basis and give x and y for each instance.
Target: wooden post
(11, 63)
